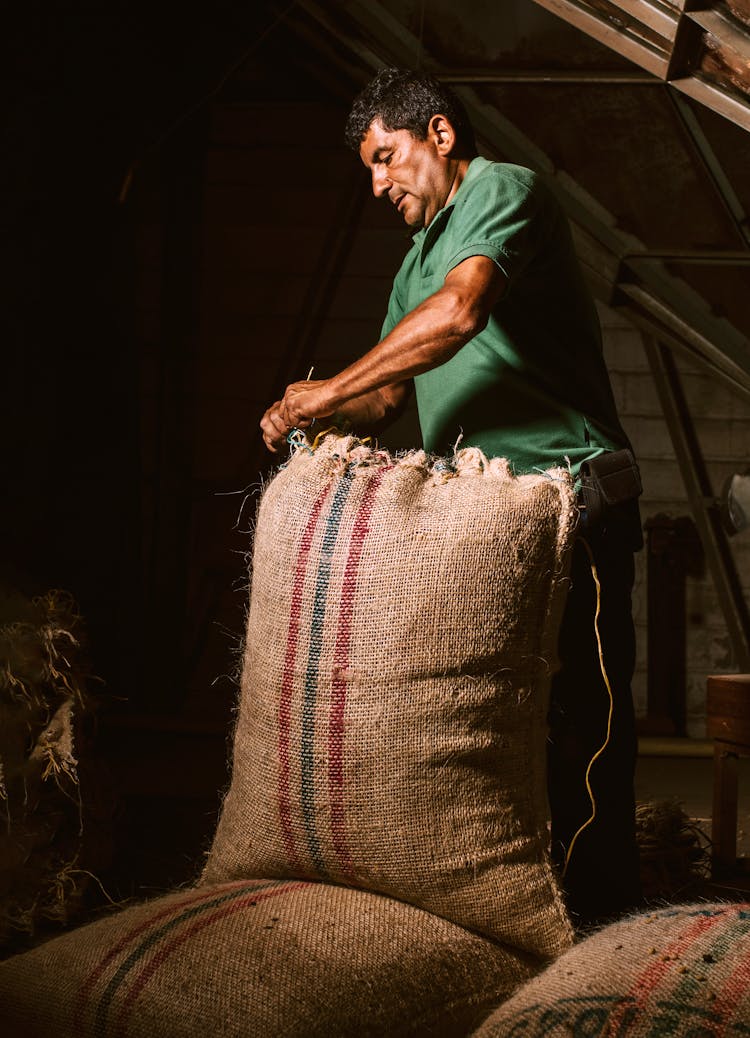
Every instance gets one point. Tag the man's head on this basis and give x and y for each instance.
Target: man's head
(415, 137)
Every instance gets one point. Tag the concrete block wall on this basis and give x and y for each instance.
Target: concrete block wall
(722, 424)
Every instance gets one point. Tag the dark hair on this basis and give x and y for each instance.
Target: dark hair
(406, 100)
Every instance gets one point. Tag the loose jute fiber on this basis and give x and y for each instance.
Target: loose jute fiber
(681, 972)
(260, 958)
(43, 699)
(400, 641)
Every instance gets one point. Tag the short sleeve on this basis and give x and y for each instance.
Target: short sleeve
(499, 217)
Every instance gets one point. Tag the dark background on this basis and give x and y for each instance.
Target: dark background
(177, 207)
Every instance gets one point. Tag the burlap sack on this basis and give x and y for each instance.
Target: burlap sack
(400, 641)
(259, 959)
(680, 972)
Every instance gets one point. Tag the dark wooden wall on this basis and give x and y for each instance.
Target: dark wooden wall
(153, 317)
(258, 253)
(263, 257)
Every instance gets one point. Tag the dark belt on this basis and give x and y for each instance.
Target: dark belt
(608, 496)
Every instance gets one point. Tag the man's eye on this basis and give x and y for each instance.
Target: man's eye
(387, 160)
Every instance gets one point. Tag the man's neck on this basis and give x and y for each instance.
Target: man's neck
(461, 167)
(458, 172)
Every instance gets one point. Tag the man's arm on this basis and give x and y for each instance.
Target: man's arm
(426, 337)
(369, 412)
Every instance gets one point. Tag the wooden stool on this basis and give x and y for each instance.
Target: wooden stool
(728, 724)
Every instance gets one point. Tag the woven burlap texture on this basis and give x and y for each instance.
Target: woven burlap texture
(272, 959)
(400, 641)
(680, 971)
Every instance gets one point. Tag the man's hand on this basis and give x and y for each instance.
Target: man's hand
(274, 428)
(302, 403)
(305, 401)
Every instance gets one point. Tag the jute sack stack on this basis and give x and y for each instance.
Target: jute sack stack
(681, 972)
(391, 735)
(267, 959)
(400, 641)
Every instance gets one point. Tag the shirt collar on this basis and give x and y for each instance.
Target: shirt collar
(475, 167)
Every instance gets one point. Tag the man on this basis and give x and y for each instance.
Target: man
(490, 320)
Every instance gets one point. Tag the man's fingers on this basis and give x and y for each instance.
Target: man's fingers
(289, 417)
(277, 424)
(299, 408)
(297, 421)
(274, 428)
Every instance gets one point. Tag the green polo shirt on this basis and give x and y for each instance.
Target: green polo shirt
(532, 386)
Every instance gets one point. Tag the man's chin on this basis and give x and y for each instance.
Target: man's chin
(415, 223)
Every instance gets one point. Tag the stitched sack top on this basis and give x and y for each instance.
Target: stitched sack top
(391, 733)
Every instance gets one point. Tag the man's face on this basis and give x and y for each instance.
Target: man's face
(414, 174)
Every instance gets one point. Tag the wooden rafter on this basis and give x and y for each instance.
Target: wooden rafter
(704, 53)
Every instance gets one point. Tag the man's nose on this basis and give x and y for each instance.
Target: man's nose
(381, 182)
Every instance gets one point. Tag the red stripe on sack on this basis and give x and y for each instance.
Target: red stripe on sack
(645, 984)
(176, 906)
(339, 681)
(171, 946)
(287, 681)
(728, 1000)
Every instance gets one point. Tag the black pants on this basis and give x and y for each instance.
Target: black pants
(602, 876)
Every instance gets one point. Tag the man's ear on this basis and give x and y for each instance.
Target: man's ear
(442, 134)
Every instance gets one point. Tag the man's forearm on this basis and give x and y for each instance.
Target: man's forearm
(374, 409)
(428, 336)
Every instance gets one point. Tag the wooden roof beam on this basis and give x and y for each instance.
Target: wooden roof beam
(697, 44)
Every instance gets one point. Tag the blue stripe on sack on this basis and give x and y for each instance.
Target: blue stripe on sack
(317, 627)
